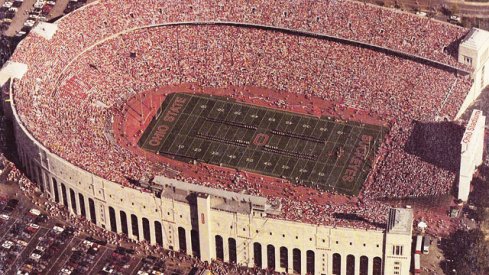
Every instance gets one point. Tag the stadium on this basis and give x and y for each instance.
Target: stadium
(263, 134)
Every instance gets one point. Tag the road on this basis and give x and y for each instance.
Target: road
(438, 8)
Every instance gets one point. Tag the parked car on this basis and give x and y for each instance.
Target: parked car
(455, 19)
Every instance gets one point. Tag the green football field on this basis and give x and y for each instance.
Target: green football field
(325, 153)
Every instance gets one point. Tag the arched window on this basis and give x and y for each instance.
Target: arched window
(135, 226)
(65, 195)
(113, 224)
(91, 205)
(296, 260)
(310, 262)
(81, 201)
(195, 241)
(377, 266)
(257, 254)
(158, 233)
(232, 250)
(350, 265)
(73, 200)
(364, 265)
(182, 240)
(284, 257)
(55, 190)
(39, 178)
(271, 257)
(336, 264)
(146, 230)
(124, 223)
(27, 168)
(219, 248)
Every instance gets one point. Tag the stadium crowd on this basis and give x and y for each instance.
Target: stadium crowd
(78, 79)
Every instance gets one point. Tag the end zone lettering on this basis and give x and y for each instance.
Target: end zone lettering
(174, 109)
(357, 159)
(166, 122)
(159, 135)
(471, 126)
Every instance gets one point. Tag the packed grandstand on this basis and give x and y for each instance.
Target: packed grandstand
(91, 90)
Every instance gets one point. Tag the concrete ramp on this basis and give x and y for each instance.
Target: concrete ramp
(45, 30)
(12, 70)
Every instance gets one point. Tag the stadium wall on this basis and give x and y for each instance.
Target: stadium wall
(196, 227)
(474, 52)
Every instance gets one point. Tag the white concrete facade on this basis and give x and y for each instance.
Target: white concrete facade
(12, 70)
(474, 52)
(397, 246)
(472, 148)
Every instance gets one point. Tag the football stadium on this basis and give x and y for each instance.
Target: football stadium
(266, 134)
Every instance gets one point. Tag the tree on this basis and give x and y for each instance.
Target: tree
(468, 252)
(482, 214)
(455, 9)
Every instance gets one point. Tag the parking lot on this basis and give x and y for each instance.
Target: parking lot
(33, 243)
(18, 17)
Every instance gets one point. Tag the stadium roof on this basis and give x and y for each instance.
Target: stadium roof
(400, 221)
(477, 39)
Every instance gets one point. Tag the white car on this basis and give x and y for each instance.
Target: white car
(29, 23)
(4, 217)
(35, 256)
(108, 269)
(58, 229)
(22, 243)
(87, 243)
(39, 5)
(33, 226)
(421, 13)
(35, 212)
(8, 4)
(455, 19)
(7, 244)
